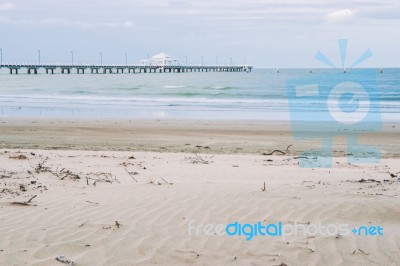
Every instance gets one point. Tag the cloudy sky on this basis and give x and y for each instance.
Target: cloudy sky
(268, 33)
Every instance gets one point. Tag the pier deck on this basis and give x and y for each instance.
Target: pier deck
(119, 69)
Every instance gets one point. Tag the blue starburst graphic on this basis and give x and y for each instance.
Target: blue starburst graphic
(334, 104)
(343, 53)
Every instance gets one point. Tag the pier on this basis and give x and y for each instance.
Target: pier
(118, 69)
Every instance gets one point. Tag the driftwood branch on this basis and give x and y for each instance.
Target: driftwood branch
(26, 203)
(279, 151)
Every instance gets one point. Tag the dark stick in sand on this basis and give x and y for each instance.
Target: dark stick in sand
(131, 175)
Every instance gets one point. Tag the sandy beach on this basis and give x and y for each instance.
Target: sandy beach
(206, 136)
(140, 192)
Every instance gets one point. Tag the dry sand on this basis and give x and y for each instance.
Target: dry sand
(107, 218)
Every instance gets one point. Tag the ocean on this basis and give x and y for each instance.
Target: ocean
(263, 94)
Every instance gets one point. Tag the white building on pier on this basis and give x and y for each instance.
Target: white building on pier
(160, 60)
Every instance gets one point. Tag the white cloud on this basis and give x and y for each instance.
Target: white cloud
(344, 15)
(6, 6)
(128, 24)
(64, 22)
(80, 24)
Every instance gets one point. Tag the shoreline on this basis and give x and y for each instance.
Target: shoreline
(177, 136)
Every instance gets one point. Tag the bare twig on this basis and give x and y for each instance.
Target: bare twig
(264, 188)
(131, 174)
(83, 224)
(288, 147)
(167, 182)
(31, 199)
(362, 251)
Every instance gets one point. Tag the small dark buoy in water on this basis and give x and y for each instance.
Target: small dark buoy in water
(344, 70)
(277, 70)
(310, 71)
(381, 70)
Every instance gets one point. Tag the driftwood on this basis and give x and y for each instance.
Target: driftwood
(197, 159)
(371, 180)
(393, 175)
(61, 174)
(101, 177)
(40, 168)
(279, 151)
(64, 174)
(18, 157)
(26, 203)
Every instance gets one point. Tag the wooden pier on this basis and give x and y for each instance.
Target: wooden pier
(118, 69)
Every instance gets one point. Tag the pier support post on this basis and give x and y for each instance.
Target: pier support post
(32, 71)
(65, 71)
(12, 71)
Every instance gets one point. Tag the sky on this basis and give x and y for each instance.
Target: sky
(263, 33)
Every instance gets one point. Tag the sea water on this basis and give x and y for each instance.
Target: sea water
(259, 95)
